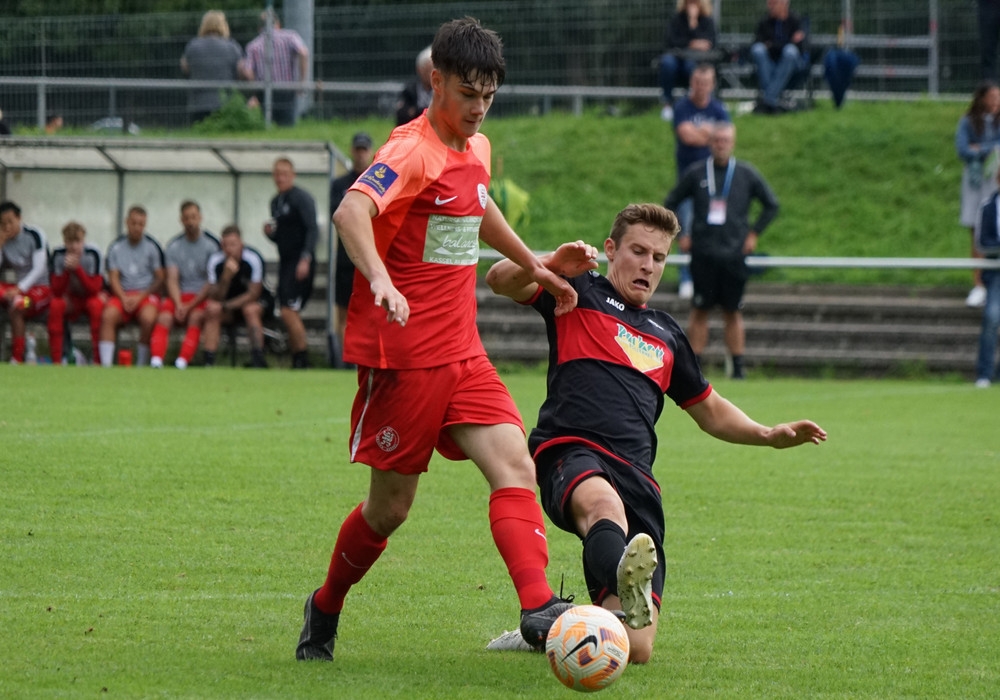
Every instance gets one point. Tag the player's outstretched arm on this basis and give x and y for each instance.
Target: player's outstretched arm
(508, 279)
(722, 419)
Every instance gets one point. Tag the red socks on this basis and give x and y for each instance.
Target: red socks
(158, 341)
(519, 533)
(358, 548)
(190, 345)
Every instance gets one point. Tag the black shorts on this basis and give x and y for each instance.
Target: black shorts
(718, 282)
(562, 468)
(294, 293)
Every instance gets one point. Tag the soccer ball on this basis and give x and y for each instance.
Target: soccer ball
(587, 648)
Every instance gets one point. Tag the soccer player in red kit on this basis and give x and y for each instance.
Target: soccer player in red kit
(77, 289)
(23, 248)
(412, 224)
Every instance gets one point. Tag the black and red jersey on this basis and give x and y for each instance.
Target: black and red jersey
(610, 365)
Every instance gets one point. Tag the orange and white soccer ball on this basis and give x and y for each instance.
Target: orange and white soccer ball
(587, 648)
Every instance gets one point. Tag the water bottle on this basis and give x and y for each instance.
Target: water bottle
(31, 352)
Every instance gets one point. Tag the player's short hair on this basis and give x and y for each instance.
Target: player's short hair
(465, 48)
(232, 229)
(189, 203)
(73, 231)
(284, 159)
(136, 209)
(7, 206)
(651, 215)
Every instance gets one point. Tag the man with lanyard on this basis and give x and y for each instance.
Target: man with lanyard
(695, 117)
(722, 237)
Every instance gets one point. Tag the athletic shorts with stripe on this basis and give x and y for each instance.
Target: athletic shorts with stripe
(400, 416)
(561, 468)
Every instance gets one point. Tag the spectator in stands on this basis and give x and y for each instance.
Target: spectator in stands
(694, 121)
(977, 140)
(989, 31)
(416, 94)
(689, 38)
(777, 52)
(361, 158)
(77, 289)
(135, 279)
(53, 124)
(605, 395)
(187, 286)
(289, 63)
(987, 238)
(723, 190)
(212, 55)
(292, 227)
(24, 249)
(236, 274)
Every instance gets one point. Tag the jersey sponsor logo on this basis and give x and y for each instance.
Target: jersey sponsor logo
(643, 355)
(483, 194)
(387, 439)
(439, 200)
(379, 177)
(452, 240)
(615, 303)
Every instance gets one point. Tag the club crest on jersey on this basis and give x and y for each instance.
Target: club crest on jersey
(644, 356)
(483, 194)
(387, 439)
(379, 177)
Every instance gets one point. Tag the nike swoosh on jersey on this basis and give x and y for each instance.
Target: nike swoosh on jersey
(439, 201)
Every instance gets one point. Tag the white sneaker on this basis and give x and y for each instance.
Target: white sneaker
(156, 362)
(686, 289)
(510, 641)
(635, 581)
(982, 383)
(180, 363)
(977, 297)
(667, 113)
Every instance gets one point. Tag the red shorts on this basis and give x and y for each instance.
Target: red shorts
(400, 416)
(38, 298)
(167, 305)
(147, 300)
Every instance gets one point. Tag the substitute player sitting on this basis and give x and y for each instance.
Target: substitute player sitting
(188, 254)
(77, 289)
(610, 363)
(237, 293)
(24, 249)
(135, 278)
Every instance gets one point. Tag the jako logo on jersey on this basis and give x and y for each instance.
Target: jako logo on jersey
(387, 439)
(379, 177)
(483, 194)
(644, 356)
(615, 303)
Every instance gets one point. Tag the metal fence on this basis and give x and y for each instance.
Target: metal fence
(362, 53)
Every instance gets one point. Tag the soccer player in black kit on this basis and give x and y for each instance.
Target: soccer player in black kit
(611, 361)
(293, 229)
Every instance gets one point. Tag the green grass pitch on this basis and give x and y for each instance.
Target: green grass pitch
(159, 532)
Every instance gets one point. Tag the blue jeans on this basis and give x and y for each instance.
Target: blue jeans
(986, 363)
(773, 77)
(674, 71)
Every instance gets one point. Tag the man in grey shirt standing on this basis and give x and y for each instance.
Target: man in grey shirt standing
(723, 190)
(212, 55)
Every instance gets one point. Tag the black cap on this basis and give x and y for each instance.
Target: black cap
(361, 140)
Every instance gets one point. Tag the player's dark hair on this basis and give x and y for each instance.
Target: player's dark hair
(8, 205)
(136, 209)
(651, 215)
(232, 228)
(465, 48)
(189, 203)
